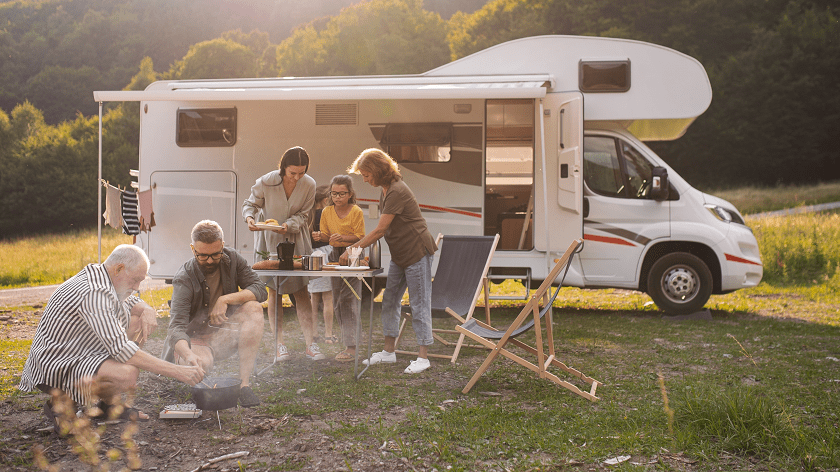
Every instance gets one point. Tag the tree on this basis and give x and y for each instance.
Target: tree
(375, 37)
(55, 90)
(774, 118)
(215, 59)
(498, 21)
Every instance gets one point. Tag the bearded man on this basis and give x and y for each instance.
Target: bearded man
(216, 308)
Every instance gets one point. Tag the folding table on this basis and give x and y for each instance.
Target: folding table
(281, 275)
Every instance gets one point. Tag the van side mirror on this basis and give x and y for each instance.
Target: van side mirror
(585, 207)
(659, 185)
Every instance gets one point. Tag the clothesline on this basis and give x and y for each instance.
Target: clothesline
(132, 211)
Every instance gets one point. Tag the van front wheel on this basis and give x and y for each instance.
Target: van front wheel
(679, 283)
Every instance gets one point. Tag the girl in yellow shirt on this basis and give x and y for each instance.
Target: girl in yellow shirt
(342, 224)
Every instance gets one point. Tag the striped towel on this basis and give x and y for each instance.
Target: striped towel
(131, 220)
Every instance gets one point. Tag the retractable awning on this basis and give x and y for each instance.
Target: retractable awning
(345, 88)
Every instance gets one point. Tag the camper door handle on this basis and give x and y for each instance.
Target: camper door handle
(562, 138)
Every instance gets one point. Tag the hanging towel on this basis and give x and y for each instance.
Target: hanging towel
(113, 209)
(147, 213)
(131, 222)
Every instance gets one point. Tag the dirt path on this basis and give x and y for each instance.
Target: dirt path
(35, 295)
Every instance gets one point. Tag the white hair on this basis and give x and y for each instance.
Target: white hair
(128, 255)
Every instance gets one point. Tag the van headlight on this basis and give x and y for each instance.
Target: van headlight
(724, 214)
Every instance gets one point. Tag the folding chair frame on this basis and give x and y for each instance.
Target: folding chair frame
(543, 361)
(484, 286)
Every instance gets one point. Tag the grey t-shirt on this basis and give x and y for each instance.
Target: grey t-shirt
(408, 236)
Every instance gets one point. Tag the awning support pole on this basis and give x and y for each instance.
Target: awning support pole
(99, 188)
(545, 188)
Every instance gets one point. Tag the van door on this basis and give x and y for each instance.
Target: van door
(182, 199)
(562, 118)
(623, 219)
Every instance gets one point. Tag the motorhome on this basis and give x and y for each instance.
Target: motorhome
(540, 140)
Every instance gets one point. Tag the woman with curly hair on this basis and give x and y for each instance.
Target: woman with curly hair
(412, 250)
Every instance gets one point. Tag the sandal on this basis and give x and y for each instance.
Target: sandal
(344, 356)
(50, 414)
(331, 339)
(108, 412)
(53, 417)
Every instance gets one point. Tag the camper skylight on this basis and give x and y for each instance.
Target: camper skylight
(604, 76)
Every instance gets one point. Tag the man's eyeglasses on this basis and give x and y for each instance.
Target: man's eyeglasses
(203, 257)
(339, 194)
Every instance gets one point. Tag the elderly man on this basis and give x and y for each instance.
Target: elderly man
(216, 308)
(87, 342)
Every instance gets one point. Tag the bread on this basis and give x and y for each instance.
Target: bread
(267, 265)
(271, 221)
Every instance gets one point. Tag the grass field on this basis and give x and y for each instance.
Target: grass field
(757, 387)
(751, 200)
(52, 259)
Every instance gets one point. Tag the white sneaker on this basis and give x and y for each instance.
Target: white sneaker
(283, 353)
(381, 357)
(315, 351)
(417, 366)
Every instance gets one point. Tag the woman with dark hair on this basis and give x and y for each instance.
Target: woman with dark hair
(342, 224)
(286, 195)
(412, 250)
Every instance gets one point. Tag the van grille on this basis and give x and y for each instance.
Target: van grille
(332, 114)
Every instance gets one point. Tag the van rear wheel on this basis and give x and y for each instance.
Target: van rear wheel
(679, 283)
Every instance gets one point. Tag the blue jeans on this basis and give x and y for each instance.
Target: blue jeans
(418, 279)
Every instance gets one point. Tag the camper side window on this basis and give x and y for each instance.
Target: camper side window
(614, 168)
(207, 127)
(418, 142)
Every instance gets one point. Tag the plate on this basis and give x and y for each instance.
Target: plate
(335, 267)
(353, 268)
(264, 226)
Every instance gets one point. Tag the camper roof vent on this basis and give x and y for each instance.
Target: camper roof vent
(332, 114)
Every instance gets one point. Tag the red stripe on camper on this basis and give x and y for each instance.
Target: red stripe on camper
(435, 208)
(730, 257)
(608, 240)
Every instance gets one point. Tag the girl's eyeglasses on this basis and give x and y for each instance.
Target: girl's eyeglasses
(339, 194)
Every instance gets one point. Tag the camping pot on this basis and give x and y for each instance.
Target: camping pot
(312, 262)
(219, 393)
(374, 255)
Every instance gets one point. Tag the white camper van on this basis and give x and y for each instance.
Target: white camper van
(539, 140)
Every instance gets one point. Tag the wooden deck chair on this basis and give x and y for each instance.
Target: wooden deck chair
(460, 277)
(499, 340)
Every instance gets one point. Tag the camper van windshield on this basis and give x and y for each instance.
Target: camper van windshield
(209, 127)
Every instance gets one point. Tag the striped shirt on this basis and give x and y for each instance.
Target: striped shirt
(83, 325)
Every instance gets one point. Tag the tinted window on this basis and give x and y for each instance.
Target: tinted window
(604, 76)
(418, 142)
(208, 127)
(601, 169)
(614, 168)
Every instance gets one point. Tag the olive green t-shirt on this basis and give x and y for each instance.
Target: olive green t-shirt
(408, 237)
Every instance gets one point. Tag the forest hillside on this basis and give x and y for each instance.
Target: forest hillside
(774, 118)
